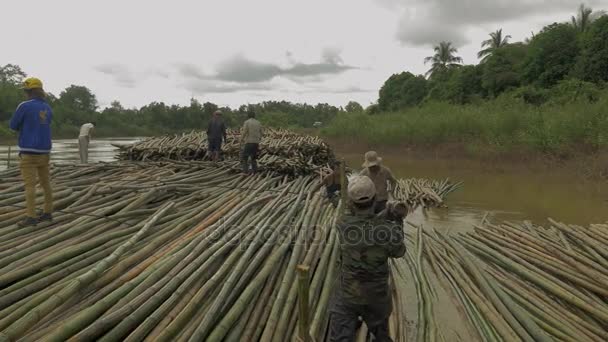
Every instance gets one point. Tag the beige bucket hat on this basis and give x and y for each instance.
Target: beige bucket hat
(361, 189)
(372, 159)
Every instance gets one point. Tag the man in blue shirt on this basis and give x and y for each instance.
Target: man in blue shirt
(32, 119)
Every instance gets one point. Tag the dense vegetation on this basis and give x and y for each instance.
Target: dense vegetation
(546, 94)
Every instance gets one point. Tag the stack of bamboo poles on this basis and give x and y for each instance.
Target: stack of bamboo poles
(281, 151)
(510, 282)
(423, 192)
(164, 251)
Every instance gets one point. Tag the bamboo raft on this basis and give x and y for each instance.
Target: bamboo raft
(281, 151)
(509, 282)
(165, 251)
(192, 251)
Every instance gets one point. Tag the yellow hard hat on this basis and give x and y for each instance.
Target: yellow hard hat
(32, 83)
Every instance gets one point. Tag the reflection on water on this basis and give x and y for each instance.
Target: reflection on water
(501, 193)
(66, 150)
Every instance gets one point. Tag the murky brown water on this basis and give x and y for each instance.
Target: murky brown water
(505, 192)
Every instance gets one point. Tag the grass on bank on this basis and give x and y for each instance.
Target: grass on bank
(505, 124)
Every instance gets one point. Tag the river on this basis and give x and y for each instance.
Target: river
(503, 192)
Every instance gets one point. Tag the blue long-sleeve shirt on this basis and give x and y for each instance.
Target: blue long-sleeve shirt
(33, 121)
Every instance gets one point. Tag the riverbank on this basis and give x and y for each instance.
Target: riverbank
(503, 127)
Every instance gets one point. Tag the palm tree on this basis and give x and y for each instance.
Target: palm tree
(584, 17)
(444, 59)
(495, 42)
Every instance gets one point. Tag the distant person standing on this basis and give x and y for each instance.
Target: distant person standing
(251, 136)
(84, 138)
(381, 176)
(216, 131)
(32, 119)
(333, 182)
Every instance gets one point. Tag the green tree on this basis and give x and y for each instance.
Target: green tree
(502, 70)
(592, 64)
(78, 98)
(444, 59)
(353, 107)
(402, 90)
(496, 41)
(12, 74)
(552, 55)
(464, 85)
(584, 17)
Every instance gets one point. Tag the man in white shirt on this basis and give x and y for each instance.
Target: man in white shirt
(83, 141)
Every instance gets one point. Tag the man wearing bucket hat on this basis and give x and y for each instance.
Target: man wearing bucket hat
(366, 243)
(381, 176)
(32, 119)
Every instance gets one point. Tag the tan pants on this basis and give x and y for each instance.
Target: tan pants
(83, 149)
(34, 168)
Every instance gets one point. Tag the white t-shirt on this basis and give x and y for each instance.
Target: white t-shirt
(86, 129)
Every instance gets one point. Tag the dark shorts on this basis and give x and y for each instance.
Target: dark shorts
(251, 150)
(344, 320)
(215, 144)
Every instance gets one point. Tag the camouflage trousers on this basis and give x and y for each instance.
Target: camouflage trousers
(344, 320)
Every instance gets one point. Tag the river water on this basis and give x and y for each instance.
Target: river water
(503, 192)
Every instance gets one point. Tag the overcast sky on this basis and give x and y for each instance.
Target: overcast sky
(234, 52)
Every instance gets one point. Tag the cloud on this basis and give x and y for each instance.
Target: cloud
(120, 73)
(241, 69)
(201, 87)
(426, 22)
(240, 73)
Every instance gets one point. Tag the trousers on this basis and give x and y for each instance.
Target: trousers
(344, 320)
(83, 149)
(34, 169)
(250, 152)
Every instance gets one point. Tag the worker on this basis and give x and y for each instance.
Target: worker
(251, 136)
(32, 119)
(381, 176)
(216, 131)
(366, 243)
(333, 182)
(84, 138)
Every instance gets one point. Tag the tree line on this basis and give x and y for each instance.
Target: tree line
(77, 104)
(563, 62)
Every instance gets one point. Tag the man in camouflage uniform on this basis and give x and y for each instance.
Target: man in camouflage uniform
(367, 242)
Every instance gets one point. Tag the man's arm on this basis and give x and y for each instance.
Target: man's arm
(396, 245)
(224, 131)
(17, 119)
(244, 132)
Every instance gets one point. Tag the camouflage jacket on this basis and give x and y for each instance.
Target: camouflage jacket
(366, 243)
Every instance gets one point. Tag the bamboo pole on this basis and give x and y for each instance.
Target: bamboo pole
(303, 309)
(8, 158)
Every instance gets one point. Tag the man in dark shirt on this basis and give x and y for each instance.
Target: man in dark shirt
(216, 130)
(367, 242)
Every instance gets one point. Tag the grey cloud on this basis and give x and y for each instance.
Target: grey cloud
(190, 71)
(201, 87)
(120, 73)
(240, 69)
(430, 21)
